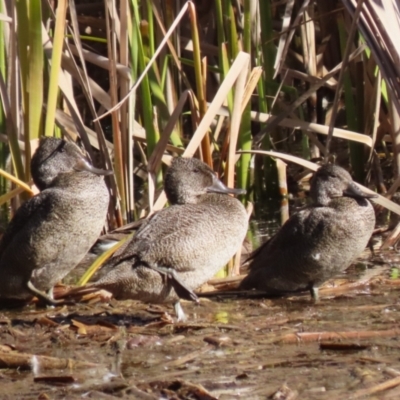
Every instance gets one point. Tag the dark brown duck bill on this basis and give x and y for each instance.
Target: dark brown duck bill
(219, 187)
(83, 165)
(354, 191)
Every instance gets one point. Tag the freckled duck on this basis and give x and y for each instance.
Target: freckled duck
(318, 242)
(52, 232)
(180, 247)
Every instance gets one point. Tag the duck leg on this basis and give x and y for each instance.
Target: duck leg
(314, 294)
(180, 315)
(181, 290)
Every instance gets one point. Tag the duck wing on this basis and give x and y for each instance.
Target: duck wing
(161, 232)
(23, 218)
(279, 260)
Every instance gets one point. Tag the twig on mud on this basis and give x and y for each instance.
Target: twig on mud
(342, 346)
(347, 287)
(391, 383)
(188, 357)
(228, 285)
(389, 282)
(29, 361)
(179, 388)
(392, 371)
(293, 338)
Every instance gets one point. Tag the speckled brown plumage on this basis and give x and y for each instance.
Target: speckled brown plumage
(52, 232)
(317, 242)
(195, 237)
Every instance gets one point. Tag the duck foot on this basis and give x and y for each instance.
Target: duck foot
(44, 296)
(181, 290)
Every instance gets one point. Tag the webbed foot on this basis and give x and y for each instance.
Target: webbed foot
(47, 298)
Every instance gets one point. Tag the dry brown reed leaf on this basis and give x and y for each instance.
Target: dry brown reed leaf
(287, 35)
(96, 90)
(277, 120)
(171, 47)
(236, 69)
(152, 185)
(27, 361)
(112, 23)
(304, 163)
(154, 161)
(346, 60)
(66, 124)
(157, 155)
(18, 182)
(83, 79)
(294, 74)
(390, 205)
(240, 62)
(5, 18)
(391, 383)
(152, 60)
(12, 193)
(395, 133)
(308, 40)
(251, 84)
(66, 88)
(392, 238)
(284, 38)
(114, 17)
(12, 119)
(376, 99)
(317, 128)
(282, 179)
(293, 338)
(236, 117)
(295, 123)
(379, 24)
(100, 61)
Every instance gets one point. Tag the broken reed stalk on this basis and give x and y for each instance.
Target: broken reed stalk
(391, 383)
(28, 361)
(293, 338)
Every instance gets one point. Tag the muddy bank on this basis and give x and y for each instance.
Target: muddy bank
(231, 347)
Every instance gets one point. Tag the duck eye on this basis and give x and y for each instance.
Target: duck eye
(61, 148)
(196, 170)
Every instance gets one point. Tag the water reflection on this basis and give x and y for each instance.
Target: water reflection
(269, 216)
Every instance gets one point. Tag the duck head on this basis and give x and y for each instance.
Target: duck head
(189, 178)
(332, 181)
(56, 156)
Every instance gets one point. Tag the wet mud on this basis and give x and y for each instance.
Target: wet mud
(233, 346)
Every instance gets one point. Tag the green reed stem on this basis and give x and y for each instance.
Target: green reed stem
(353, 124)
(35, 83)
(58, 43)
(245, 137)
(268, 50)
(152, 135)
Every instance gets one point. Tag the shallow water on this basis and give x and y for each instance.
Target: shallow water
(232, 347)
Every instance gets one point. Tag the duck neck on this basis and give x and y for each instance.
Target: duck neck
(321, 198)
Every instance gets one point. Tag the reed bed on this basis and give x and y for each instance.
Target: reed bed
(237, 83)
